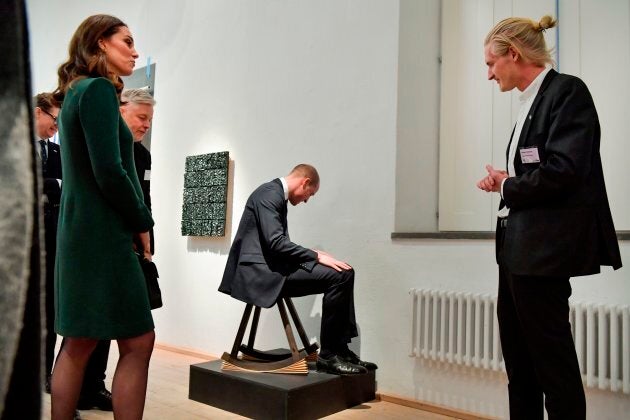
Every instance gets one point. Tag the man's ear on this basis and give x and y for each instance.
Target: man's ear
(514, 55)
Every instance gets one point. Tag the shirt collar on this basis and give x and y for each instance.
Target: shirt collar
(285, 188)
(534, 86)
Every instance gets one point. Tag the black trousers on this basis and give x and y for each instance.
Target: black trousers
(51, 218)
(538, 348)
(338, 325)
(94, 377)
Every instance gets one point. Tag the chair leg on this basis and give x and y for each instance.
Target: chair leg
(253, 328)
(288, 330)
(300, 327)
(241, 330)
(293, 363)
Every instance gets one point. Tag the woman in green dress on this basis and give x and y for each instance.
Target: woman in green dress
(100, 291)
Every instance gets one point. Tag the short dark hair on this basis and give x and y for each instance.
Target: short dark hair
(307, 171)
(45, 101)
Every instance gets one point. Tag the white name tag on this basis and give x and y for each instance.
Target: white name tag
(529, 155)
(147, 174)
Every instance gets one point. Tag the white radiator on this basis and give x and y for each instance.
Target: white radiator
(462, 328)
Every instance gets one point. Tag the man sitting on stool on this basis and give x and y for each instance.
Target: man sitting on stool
(264, 265)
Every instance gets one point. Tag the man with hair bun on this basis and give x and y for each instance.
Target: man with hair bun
(554, 221)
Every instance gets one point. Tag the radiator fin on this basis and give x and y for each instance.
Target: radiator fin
(462, 328)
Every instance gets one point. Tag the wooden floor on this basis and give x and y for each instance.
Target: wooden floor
(167, 396)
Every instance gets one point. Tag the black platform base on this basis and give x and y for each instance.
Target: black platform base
(278, 396)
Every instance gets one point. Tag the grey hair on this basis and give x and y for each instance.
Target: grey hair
(137, 96)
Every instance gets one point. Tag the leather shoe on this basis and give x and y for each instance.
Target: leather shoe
(100, 400)
(350, 356)
(337, 366)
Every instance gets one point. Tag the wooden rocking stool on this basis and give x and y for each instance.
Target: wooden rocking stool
(293, 361)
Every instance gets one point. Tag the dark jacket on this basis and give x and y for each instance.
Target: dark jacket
(262, 253)
(51, 172)
(560, 222)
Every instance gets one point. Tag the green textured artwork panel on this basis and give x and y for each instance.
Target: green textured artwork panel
(205, 194)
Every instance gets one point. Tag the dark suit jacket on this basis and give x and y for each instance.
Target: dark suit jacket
(262, 254)
(51, 172)
(560, 222)
(142, 160)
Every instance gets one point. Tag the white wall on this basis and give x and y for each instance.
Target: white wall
(276, 83)
(477, 119)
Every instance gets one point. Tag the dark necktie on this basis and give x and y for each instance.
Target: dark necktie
(42, 143)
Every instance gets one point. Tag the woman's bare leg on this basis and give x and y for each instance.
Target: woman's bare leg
(67, 376)
(129, 386)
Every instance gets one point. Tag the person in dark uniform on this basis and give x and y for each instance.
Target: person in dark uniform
(264, 264)
(46, 113)
(136, 109)
(554, 221)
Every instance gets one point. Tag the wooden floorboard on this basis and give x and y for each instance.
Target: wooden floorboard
(167, 396)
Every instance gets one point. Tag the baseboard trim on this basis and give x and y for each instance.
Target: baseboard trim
(394, 399)
(187, 351)
(432, 408)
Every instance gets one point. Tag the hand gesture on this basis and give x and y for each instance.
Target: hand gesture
(492, 182)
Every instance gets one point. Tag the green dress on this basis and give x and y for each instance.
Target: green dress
(100, 290)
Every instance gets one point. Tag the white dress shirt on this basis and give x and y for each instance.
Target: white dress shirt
(526, 98)
(285, 188)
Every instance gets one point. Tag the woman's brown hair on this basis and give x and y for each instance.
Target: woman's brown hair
(86, 59)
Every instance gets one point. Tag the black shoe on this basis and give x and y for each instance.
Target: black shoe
(77, 415)
(100, 400)
(337, 366)
(350, 356)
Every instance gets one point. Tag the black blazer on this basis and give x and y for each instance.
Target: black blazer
(51, 172)
(142, 160)
(262, 255)
(560, 222)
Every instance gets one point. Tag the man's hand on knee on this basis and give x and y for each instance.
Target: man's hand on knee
(328, 260)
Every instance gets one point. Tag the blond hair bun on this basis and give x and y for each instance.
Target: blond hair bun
(545, 22)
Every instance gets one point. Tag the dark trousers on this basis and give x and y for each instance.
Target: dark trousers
(94, 377)
(538, 348)
(51, 217)
(338, 325)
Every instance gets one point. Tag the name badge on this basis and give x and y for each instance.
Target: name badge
(529, 155)
(147, 175)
